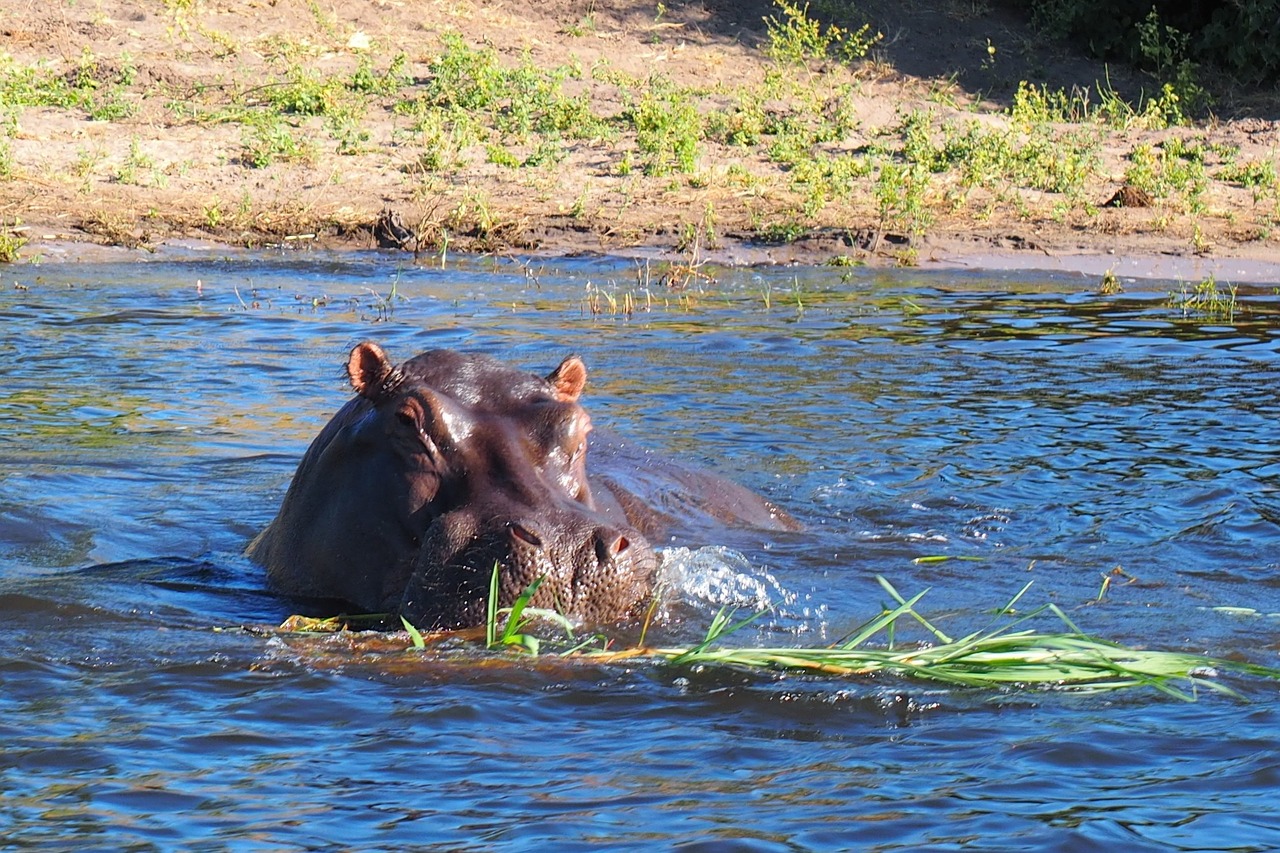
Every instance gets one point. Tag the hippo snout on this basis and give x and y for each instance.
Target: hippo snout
(610, 547)
(591, 570)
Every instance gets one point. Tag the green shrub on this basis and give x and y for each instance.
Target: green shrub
(366, 80)
(1170, 37)
(797, 37)
(668, 128)
(270, 140)
(11, 241)
(518, 101)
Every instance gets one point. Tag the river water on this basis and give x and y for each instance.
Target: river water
(151, 415)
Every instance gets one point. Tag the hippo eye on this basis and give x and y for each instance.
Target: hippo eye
(409, 412)
(413, 418)
(523, 534)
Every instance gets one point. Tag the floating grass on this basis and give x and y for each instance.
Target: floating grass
(1005, 654)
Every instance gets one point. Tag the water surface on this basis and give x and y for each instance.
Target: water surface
(152, 414)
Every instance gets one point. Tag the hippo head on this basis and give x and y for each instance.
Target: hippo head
(439, 470)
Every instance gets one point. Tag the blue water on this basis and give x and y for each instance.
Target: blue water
(151, 415)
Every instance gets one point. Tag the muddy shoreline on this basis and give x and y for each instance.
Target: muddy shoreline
(1088, 265)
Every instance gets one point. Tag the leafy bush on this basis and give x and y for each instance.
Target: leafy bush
(798, 36)
(1170, 37)
(668, 128)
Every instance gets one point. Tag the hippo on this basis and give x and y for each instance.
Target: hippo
(449, 464)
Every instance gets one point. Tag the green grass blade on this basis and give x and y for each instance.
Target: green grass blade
(554, 616)
(1008, 608)
(491, 613)
(414, 634)
(869, 629)
(514, 622)
(1057, 611)
(721, 626)
(889, 588)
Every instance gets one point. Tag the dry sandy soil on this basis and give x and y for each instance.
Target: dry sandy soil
(175, 168)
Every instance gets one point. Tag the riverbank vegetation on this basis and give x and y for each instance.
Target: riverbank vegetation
(490, 146)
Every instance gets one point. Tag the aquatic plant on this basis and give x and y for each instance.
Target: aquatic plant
(1004, 654)
(994, 656)
(1206, 301)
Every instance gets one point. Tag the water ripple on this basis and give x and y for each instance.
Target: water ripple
(1021, 432)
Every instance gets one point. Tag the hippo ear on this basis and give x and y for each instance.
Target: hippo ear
(569, 379)
(372, 373)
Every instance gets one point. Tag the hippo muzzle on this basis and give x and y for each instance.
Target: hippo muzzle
(589, 566)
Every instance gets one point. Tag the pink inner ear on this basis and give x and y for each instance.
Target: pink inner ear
(367, 367)
(569, 379)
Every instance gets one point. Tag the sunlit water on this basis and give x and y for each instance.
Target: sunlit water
(151, 416)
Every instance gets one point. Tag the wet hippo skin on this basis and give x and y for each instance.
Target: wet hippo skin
(446, 465)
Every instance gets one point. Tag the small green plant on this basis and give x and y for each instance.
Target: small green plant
(797, 37)
(744, 124)
(213, 215)
(710, 237)
(367, 80)
(1258, 175)
(668, 128)
(8, 130)
(303, 92)
(579, 207)
(475, 210)
(135, 162)
(547, 152)
(462, 77)
(1206, 300)
(1033, 105)
(1110, 285)
(1166, 49)
(917, 144)
(385, 306)
(11, 241)
(500, 156)
(443, 136)
(587, 24)
(345, 128)
(86, 162)
(94, 87)
(269, 140)
(1174, 170)
(781, 232)
(900, 196)
(518, 618)
(827, 177)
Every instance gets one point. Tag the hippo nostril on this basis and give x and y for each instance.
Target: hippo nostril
(607, 551)
(522, 534)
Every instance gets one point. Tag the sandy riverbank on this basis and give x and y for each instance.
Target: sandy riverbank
(613, 127)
